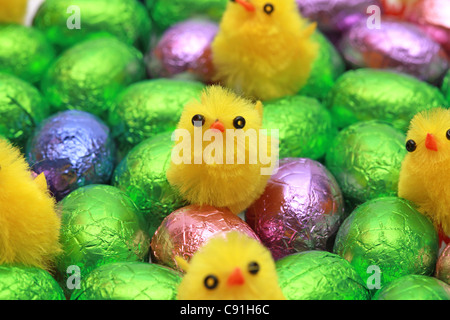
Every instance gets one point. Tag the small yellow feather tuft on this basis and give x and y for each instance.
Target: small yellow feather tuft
(13, 10)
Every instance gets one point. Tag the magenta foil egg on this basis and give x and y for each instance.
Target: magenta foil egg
(301, 208)
(443, 265)
(395, 45)
(184, 51)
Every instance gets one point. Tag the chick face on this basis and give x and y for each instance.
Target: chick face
(268, 11)
(428, 139)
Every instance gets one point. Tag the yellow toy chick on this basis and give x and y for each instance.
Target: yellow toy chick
(29, 225)
(13, 10)
(232, 266)
(263, 49)
(425, 173)
(231, 171)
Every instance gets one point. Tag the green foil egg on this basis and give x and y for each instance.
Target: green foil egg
(319, 275)
(149, 107)
(166, 13)
(142, 176)
(99, 225)
(66, 22)
(25, 52)
(365, 158)
(327, 67)
(89, 75)
(387, 238)
(414, 287)
(22, 108)
(129, 281)
(368, 94)
(446, 87)
(304, 125)
(28, 283)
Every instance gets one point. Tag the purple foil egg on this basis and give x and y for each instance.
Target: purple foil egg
(184, 50)
(73, 148)
(396, 45)
(301, 209)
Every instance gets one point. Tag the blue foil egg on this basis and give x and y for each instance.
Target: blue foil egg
(73, 148)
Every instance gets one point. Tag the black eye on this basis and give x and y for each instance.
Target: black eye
(411, 145)
(239, 122)
(268, 8)
(211, 282)
(448, 134)
(197, 119)
(253, 267)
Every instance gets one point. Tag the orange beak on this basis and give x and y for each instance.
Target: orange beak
(430, 142)
(236, 278)
(247, 5)
(218, 126)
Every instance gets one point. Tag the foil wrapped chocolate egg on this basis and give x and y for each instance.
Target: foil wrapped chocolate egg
(365, 158)
(183, 231)
(149, 107)
(25, 52)
(446, 87)
(142, 176)
(443, 265)
(99, 225)
(301, 209)
(387, 238)
(129, 281)
(72, 148)
(414, 287)
(319, 275)
(369, 94)
(303, 125)
(28, 283)
(89, 75)
(399, 46)
(66, 23)
(166, 13)
(22, 108)
(184, 51)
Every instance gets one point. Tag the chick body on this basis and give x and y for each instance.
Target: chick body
(13, 10)
(215, 179)
(29, 224)
(230, 266)
(425, 172)
(263, 49)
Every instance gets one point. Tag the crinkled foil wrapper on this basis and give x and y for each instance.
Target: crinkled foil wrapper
(22, 108)
(305, 128)
(369, 94)
(396, 45)
(443, 265)
(147, 108)
(129, 281)
(72, 148)
(301, 209)
(335, 15)
(166, 13)
(142, 176)
(319, 275)
(186, 229)
(390, 234)
(414, 287)
(25, 52)
(99, 225)
(446, 87)
(89, 75)
(26, 283)
(184, 51)
(365, 158)
(127, 20)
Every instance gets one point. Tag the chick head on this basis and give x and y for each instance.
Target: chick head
(231, 266)
(428, 138)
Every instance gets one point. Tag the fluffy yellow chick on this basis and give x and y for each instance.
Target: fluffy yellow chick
(13, 10)
(263, 49)
(29, 225)
(232, 266)
(221, 167)
(425, 173)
